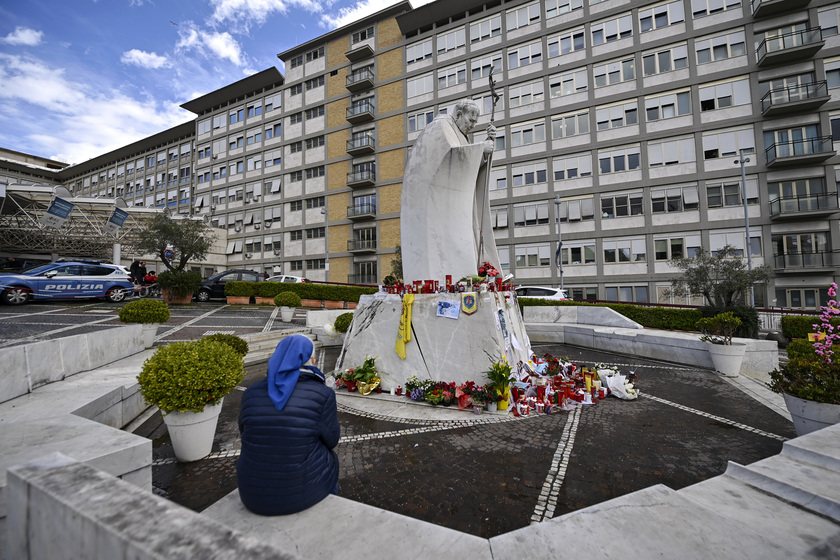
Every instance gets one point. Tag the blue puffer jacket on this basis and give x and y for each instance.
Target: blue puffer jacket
(287, 462)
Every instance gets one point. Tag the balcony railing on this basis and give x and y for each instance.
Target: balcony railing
(361, 245)
(790, 46)
(806, 150)
(358, 211)
(363, 279)
(765, 8)
(361, 178)
(793, 206)
(796, 262)
(360, 112)
(361, 145)
(802, 97)
(360, 80)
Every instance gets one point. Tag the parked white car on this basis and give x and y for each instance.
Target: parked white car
(541, 292)
(287, 278)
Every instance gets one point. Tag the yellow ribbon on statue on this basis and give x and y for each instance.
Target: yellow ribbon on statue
(404, 332)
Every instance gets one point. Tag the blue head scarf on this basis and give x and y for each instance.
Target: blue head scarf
(284, 367)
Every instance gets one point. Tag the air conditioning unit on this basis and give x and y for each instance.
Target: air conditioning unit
(237, 229)
(247, 201)
(277, 252)
(248, 255)
(215, 156)
(268, 224)
(256, 226)
(212, 208)
(257, 198)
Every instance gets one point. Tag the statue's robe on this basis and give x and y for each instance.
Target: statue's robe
(445, 224)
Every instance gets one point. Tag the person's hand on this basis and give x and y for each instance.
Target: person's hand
(490, 143)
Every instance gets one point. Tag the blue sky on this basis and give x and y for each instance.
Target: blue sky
(81, 77)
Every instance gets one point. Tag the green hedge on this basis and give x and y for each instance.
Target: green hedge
(798, 326)
(328, 292)
(801, 348)
(748, 315)
(269, 289)
(666, 318)
(240, 288)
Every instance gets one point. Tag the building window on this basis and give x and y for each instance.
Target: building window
(616, 116)
(578, 252)
(314, 83)
(720, 47)
(622, 205)
(296, 266)
(452, 76)
(418, 51)
(273, 102)
(253, 163)
(315, 233)
(618, 161)
(481, 67)
(567, 42)
(661, 16)
(296, 118)
(236, 142)
(624, 250)
(522, 16)
(614, 72)
(237, 115)
(218, 121)
(486, 28)
(418, 121)
(526, 94)
(531, 256)
(703, 8)
(204, 126)
(316, 202)
(313, 172)
(799, 194)
(362, 35)
(204, 151)
(672, 248)
(572, 166)
(554, 8)
(667, 106)
(568, 83)
(420, 85)
(274, 131)
(296, 89)
(296, 206)
(296, 147)
(524, 55)
(297, 61)
(576, 209)
(728, 193)
(274, 157)
(638, 294)
(451, 40)
(530, 214)
(254, 136)
(529, 173)
(671, 152)
(728, 143)
(315, 264)
(674, 199)
(315, 55)
(572, 124)
(611, 30)
(315, 142)
(314, 112)
(719, 239)
(499, 217)
(666, 60)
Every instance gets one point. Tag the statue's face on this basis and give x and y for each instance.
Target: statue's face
(466, 120)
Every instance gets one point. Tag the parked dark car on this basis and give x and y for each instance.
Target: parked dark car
(214, 287)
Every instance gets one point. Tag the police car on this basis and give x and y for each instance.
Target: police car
(66, 280)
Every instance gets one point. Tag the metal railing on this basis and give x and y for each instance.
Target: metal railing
(359, 142)
(789, 41)
(361, 210)
(360, 109)
(361, 176)
(365, 74)
(803, 147)
(803, 203)
(363, 279)
(792, 94)
(361, 245)
(817, 259)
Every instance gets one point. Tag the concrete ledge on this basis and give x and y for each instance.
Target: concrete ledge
(344, 524)
(60, 509)
(27, 367)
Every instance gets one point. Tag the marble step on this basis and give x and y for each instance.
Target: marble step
(818, 447)
(813, 487)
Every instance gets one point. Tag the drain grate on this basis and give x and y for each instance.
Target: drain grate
(208, 333)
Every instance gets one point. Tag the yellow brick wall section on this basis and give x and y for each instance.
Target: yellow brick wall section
(391, 98)
(336, 85)
(337, 143)
(389, 237)
(337, 175)
(391, 131)
(388, 198)
(336, 50)
(388, 33)
(391, 165)
(389, 64)
(339, 269)
(337, 113)
(339, 235)
(338, 204)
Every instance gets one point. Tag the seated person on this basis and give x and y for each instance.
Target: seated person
(150, 277)
(289, 428)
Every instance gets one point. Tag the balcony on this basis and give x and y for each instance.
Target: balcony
(363, 51)
(361, 178)
(794, 99)
(360, 80)
(810, 206)
(820, 261)
(363, 279)
(360, 112)
(361, 211)
(766, 8)
(799, 152)
(360, 145)
(361, 245)
(798, 45)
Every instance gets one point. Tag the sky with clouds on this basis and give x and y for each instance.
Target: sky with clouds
(79, 78)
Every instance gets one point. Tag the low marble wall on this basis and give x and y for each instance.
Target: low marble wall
(29, 366)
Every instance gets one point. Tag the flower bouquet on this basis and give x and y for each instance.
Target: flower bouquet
(439, 393)
(365, 376)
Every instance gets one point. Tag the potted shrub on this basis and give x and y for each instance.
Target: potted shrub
(810, 380)
(187, 381)
(266, 292)
(365, 376)
(150, 313)
(492, 397)
(718, 332)
(178, 286)
(238, 344)
(239, 292)
(287, 301)
(499, 376)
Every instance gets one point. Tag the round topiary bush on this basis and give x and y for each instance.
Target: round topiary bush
(187, 376)
(801, 348)
(342, 322)
(231, 340)
(145, 311)
(287, 299)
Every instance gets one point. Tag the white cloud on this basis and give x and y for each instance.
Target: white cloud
(143, 59)
(243, 13)
(82, 117)
(364, 8)
(23, 36)
(223, 45)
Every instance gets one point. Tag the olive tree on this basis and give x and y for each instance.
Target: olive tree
(723, 279)
(187, 238)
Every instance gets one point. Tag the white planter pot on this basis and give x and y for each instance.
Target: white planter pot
(149, 334)
(286, 314)
(727, 359)
(810, 416)
(492, 407)
(192, 433)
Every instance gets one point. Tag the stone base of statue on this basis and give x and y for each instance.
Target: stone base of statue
(441, 348)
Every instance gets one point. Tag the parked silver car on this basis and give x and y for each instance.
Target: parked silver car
(541, 292)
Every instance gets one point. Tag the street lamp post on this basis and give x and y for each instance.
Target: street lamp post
(742, 160)
(326, 245)
(557, 256)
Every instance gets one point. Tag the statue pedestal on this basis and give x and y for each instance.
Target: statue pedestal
(441, 349)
